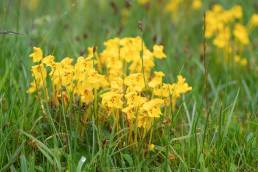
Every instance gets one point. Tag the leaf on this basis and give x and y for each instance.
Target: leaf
(128, 159)
(23, 162)
(51, 157)
(80, 163)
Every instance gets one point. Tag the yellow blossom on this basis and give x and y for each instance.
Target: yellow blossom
(237, 11)
(135, 82)
(222, 39)
(112, 100)
(241, 34)
(87, 95)
(130, 112)
(32, 88)
(240, 61)
(156, 80)
(152, 107)
(180, 86)
(151, 147)
(49, 60)
(158, 51)
(253, 22)
(196, 4)
(37, 54)
(134, 100)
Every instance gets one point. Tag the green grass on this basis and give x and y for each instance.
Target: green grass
(216, 133)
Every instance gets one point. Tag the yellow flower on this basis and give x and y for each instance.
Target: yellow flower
(135, 82)
(39, 74)
(116, 84)
(67, 61)
(240, 33)
(151, 147)
(90, 52)
(240, 61)
(134, 100)
(144, 121)
(181, 86)
(217, 8)
(87, 95)
(156, 80)
(152, 107)
(158, 51)
(130, 112)
(173, 5)
(97, 81)
(32, 88)
(37, 54)
(222, 39)
(237, 11)
(196, 4)
(112, 100)
(162, 91)
(49, 60)
(253, 21)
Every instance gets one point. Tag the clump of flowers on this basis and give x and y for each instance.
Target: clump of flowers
(120, 81)
(228, 31)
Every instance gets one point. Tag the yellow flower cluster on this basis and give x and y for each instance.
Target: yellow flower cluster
(226, 28)
(122, 74)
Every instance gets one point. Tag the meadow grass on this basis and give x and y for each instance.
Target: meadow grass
(214, 127)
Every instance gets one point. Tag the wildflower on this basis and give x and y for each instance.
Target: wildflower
(49, 60)
(134, 100)
(32, 88)
(237, 11)
(217, 8)
(112, 100)
(162, 91)
(135, 82)
(87, 95)
(240, 61)
(219, 22)
(241, 34)
(158, 51)
(144, 121)
(173, 5)
(151, 147)
(253, 22)
(156, 80)
(116, 84)
(90, 52)
(196, 4)
(130, 112)
(123, 71)
(37, 54)
(222, 39)
(180, 86)
(39, 74)
(152, 108)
